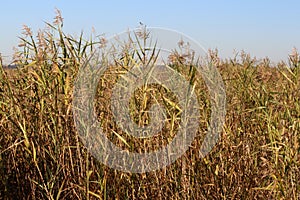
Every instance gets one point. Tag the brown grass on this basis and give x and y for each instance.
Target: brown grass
(42, 156)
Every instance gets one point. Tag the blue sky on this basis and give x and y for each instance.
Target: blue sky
(262, 28)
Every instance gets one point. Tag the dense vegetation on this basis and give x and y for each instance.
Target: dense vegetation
(42, 156)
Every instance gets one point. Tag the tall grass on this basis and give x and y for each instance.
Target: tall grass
(42, 156)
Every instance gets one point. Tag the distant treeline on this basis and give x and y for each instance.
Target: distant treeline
(10, 66)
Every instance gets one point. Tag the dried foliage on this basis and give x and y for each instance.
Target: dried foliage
(42, 156)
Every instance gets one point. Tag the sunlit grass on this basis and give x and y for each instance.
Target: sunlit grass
(42, 156)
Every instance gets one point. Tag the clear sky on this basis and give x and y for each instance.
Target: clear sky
(260, 27)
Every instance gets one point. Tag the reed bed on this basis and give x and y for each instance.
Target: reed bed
(43, 157)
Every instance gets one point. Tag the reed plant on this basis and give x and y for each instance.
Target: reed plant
(43, 157)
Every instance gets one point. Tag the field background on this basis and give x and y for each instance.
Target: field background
(42, 157)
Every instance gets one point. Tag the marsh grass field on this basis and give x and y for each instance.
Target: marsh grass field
(42, 156)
